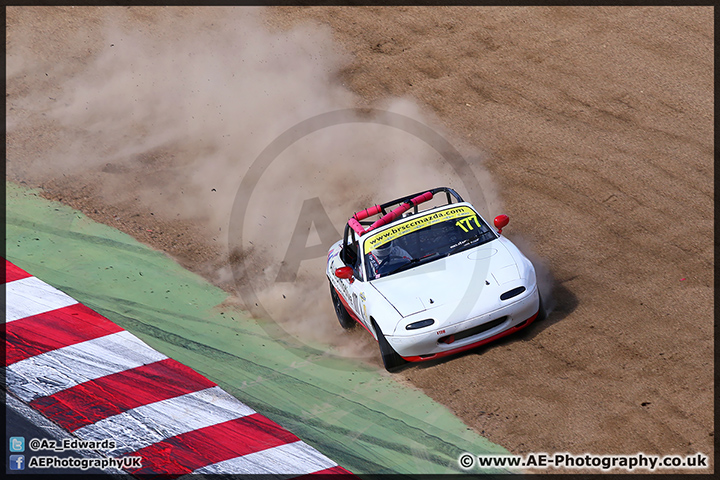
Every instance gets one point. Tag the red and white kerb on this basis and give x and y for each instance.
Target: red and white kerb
(98, 381)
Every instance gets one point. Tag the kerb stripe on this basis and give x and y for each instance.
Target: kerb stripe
(336, 470)
(296, 458)
(143, 426)
(31, 336)
(13, 272)
(188, 452)
(57, 370)
(31, 296)
(120, 392)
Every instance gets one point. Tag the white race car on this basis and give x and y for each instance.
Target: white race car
(430, 283)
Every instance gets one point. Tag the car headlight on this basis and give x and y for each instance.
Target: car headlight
(512, 293)
(420, 324)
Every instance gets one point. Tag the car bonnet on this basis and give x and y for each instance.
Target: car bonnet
(450, 280)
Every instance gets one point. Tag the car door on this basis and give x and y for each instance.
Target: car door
(354, 288)
(357, 289)
(346, 287)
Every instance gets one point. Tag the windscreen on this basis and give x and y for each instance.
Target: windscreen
(424, 238)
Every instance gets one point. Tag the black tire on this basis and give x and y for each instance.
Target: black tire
(390, 357)
(542, 313)
(346, 321)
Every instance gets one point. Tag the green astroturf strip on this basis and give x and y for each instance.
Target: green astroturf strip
(358, 416)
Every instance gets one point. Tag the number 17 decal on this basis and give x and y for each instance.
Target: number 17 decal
(467, 225)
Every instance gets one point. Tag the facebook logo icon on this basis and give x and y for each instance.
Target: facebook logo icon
(17, 462)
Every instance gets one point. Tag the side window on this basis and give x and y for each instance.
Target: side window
(349, 252)
(351, 257)
(356, 266)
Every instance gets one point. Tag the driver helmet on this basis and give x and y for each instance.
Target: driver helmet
(383, 251)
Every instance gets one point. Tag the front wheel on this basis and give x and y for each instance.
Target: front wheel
(542, 313)
(346, 321)
(390, 357)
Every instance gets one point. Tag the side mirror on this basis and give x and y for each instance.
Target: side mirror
(344, 272)
(501, 221)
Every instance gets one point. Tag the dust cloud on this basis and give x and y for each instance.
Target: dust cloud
(189, 100)
(173, 115)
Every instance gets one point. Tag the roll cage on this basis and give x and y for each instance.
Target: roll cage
(359, 224)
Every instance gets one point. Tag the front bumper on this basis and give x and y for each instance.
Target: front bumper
(427, 345)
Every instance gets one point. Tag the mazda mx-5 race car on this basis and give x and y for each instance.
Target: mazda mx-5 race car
(430, 283)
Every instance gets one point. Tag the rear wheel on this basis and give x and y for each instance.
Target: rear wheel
(390, 357)
(346, 321)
